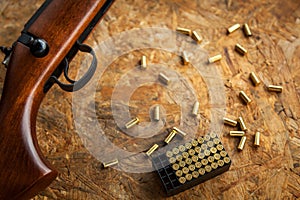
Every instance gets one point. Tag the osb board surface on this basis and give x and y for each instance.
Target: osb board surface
(269, 172)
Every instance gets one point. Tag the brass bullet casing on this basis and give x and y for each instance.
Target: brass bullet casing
(208, 168)
(211, 159)
(204, 161)
(182, 180)
(181, 148)
(183, 134)
(226, 160)
(195, 108)
(241, 50)
(191, 152)
(184, 31)
(221, 163)
(241, 144)
(275, 88)
(237, 133)
(229, 122)
(179, 173)
(244, 97)
(175, 166)
(217, 156)
(185, 58)
(195, 159)
(185, 155)
(188, 177)
(175, 151)
(200, 140)
(214, 165)
(194, 143)
(257, 139)
(169, 154)
(204, 146)
(223, 153)
(178, 157)
(201, 155)
(233, 28)
(198, 165)
(188, 161)
(213, 150)
(242, 124)
(210, 143)
(206, 152)
(197, 149)
(195, 174)
(247, 30)
(217, 140)
(192, 168)
(172, 160)
(157, 113)
(220, 147)
(144, 62)
(164, 79)
(215, 58)
(110, 163)
(188, 145)
(201, 171)
(152, 149)
(196, 37)
(255, 80)
(185, 170)
(170, 137)
(213, 135)
(131, 123)
(182, 164)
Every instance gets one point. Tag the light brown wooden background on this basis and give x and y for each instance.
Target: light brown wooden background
(269, 172)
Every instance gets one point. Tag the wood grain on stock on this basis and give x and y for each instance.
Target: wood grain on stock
(269, 172)
(23, 169)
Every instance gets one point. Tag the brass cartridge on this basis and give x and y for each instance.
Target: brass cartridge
(242, 124)
(233, 28)
(275, 88)
(241, 144)
(229, 122)
(237, 133)
(131, 123)
(110, 163)
(152, 149)
(244, 97)
(255, 80)
(241, 50)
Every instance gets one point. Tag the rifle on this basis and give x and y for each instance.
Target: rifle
(48, 42)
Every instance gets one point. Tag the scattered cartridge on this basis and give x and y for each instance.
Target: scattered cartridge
(184, 31)
(170, 137)
(229, 122)
(196, 37)
(156, 113)
(247, 30)
(237, 133)
(242, 124)
(110, 163)
(242, 143)
(164, 79)
(254, 79)
(152, 149)
(257, 139)
(144, 62)
(275, 88)
(183, 134)
(131, 123)
(185, 58)
(195, 108)
(241, 50)
(233, 28)
(244, 97)
(215, 58)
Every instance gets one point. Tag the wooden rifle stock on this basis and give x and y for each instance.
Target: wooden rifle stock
(61, 23)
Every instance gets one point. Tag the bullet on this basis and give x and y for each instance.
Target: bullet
(195, 108)
(201, 171)
(217, 156)
(256, 139)
(242, 124)
(181, 148)
(215, 58)
(179, 173)
(241, 50)
(185, 155)
(164, 79)
(229, 122)
(175, 151)
(237, 133)
(244, 97)
(226, 160)
(185, 58)
(152, 149)
(172, 160)
(221, 163)
(156, 113)
(188, 161)
(247, 30)
(169, 154)
(223, 153)
(144, 62)
(208, 168)
(182, 180)
(188, 177)
(182, 133)
(175, 166)
(196, 37)
(198, 165)
(242, 143)
(184, 31)
(204, 161)
(213, 150)
(214, 165)
(254, 79)
(195, 159)
(233, 28)
(211, 159)
(181, 164)
(195, 174)
(110, 163)
(220, 147)
(170, 137)
(131, 123)
(275, 88)
(185, 170)
(192, 168)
